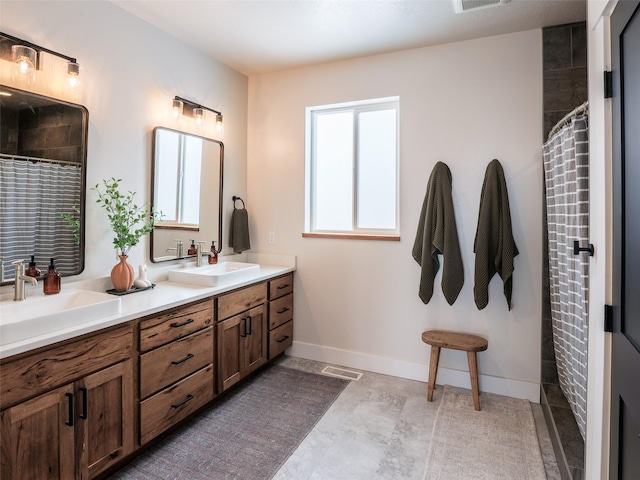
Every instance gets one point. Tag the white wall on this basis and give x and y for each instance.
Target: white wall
(356, 302)
(130, 72)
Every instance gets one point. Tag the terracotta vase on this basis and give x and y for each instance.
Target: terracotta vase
(122, 275)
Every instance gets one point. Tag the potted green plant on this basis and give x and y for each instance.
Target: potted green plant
(129, 222)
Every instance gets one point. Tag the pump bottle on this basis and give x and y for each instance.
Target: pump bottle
(52, 282)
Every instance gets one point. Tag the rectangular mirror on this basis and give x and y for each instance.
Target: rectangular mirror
(43, 155)
(187, 188)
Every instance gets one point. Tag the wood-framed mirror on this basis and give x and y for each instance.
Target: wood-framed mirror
(186, 187)
(43, 157)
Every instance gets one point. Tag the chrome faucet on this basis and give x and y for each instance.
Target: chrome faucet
(177, 249)
(200, 253)
(20, 278)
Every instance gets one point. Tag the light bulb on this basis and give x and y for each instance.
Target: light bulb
(219, 125)
(198, 113)
(177, 108)
(73, 71)
(26, 59)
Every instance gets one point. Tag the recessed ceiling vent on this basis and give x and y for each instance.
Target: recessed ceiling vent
(461, 6)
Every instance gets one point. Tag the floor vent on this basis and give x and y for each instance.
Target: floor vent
(342, 373)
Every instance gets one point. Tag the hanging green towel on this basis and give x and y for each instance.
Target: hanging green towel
(494, 245)
(437, 234)
(239, 230)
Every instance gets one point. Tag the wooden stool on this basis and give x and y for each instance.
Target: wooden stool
(457, 341)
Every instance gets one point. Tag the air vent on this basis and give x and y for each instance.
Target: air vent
(461, 6)
(342, 373)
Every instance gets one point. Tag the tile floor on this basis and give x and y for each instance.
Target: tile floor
(378, 429)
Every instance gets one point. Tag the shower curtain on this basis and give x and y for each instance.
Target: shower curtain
(566, 169)
(32, 195)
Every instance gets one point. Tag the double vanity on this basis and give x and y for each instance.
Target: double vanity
(96, 377)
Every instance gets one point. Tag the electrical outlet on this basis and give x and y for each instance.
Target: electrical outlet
(272, 237)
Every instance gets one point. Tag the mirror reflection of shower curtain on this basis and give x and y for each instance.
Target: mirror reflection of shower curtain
(31, 195)
(566, 169)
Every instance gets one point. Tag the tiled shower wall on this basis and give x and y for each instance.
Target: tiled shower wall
(53, 132)
(565, 88)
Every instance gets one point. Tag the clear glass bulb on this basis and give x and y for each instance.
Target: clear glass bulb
(26, 60)
(177, 108)
(198, 113)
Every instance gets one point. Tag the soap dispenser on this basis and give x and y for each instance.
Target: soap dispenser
(52, 282)
(192, 249)
(32, 270)
(213, 256)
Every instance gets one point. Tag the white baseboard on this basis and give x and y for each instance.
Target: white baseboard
(415, 371)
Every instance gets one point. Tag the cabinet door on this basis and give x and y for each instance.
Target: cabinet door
(38, 437)
(105, 416)
(254, 342)
(230, 334)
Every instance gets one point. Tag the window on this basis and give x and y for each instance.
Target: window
(178, 164)
(351, 183)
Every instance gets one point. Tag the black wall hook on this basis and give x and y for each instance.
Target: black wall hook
(237, 198)
(577, 249)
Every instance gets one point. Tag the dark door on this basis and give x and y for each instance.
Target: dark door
(625, 362)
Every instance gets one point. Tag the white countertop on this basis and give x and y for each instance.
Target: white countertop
(164, 296)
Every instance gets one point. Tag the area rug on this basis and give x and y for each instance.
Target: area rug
(498, 442)
(247, 435)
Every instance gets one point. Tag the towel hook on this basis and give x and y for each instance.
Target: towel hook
(577, 248)
(234, 201)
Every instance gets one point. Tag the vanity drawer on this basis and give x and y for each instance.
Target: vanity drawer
(171, 326)
(280, 339)
(280, 311)
(281, 286)
(47, 369)
(165, 365)
(241, 300)
(166, 408)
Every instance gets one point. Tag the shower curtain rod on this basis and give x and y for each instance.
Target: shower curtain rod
(584, 108)
(22, 158)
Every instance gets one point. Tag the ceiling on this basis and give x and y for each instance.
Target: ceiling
(259, 36)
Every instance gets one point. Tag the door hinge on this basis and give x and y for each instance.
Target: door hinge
(608, 318)
(608, 84)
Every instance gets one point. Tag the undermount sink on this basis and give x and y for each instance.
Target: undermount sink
(213, 275)
(39, 315)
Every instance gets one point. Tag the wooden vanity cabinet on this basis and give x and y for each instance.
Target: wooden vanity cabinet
(73, 410)
(280, 314)
(68, 411)
(242, 334)
(176, 366)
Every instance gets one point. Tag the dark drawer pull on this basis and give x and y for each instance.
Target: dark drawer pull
(280, 340)
(280, 287)
(282, 310)
(188, 399)
(178, 325)
(182, 360)
(71, 413)
(84, 414)
(243, 333)
(250, 324)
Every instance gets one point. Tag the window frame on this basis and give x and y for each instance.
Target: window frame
(356, 107)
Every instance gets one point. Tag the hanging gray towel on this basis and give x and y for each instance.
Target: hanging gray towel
(437, 234)
(494, 245)
(239, 230)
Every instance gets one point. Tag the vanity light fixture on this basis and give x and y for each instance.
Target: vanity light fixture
(26, 56)
(196, 111)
